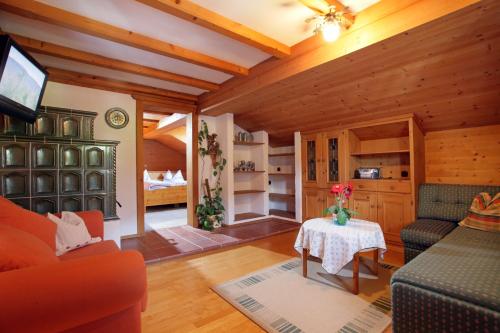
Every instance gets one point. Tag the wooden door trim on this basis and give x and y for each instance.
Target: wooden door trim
(193, 196)
(139, 165)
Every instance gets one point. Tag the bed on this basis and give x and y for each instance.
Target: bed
(159, 191)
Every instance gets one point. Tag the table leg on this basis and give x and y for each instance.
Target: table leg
(355, 274)
(305, 254)
(375, 261)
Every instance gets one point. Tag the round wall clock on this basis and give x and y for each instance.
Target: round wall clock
(116, 118)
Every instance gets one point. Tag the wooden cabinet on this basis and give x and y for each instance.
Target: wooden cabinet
(365, 205)
(322, 159)
(395, 145)
(313, 203)
(393, 213)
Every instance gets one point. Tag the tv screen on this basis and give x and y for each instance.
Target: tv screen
(22, 81)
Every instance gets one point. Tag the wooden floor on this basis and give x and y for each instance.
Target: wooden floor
(180, 299)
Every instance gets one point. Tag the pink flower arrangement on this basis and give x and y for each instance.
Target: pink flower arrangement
(342, 193)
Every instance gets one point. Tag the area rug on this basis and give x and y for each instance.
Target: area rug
(279, 299)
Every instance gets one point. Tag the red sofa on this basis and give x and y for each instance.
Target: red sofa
(97, 288)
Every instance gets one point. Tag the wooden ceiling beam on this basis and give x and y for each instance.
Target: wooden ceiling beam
(160, 105)
(38, 46)
(380, 21)
(166, 109)
(196, 14)
(99, 82)
(36, 10)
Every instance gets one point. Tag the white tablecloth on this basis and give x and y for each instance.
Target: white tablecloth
(336, 245)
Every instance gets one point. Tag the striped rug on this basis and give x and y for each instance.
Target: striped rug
(279, 299)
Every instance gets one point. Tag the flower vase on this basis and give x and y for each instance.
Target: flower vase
(341, 217)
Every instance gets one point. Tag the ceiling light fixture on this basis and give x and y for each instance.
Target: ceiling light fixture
(330, 24)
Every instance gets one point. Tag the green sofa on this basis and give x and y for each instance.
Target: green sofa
(451, 282)
(440, 208)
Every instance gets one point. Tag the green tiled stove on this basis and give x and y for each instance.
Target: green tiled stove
(56, 164)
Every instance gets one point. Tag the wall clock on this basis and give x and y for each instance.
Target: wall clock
(116, 118)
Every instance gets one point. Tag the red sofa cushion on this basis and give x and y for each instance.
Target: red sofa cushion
(28, 221)
(19, 249)
(104, 247)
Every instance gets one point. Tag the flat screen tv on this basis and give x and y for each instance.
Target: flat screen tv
(22, 81)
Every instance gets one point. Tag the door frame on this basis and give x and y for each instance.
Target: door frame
(191, 166)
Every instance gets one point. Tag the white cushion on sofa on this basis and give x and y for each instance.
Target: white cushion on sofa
(71, 233)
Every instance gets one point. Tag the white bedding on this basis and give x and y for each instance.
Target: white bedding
(159, 184)
(169, 180)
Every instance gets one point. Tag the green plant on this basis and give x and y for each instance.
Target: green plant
(211, 210)
(342, 194)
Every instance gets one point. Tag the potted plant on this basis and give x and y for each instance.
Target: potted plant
(340, 214)
(210, 212)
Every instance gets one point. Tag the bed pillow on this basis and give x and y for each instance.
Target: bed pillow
(168, 175)
(147, 176)
(484, 213)
(72, 232)
(178, 178)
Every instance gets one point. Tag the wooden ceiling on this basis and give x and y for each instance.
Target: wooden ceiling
(447, 72)
(437, 59)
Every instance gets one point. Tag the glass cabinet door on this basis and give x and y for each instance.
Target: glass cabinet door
(311, 158)
(332, 158)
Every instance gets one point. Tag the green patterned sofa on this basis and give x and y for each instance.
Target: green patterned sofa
(440, 208)
(454, 285)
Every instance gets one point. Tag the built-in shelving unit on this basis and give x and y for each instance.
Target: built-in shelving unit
(282, 213)
(386, 146)
(250, 190)
(281, 196)
(282, 182)
(247, 216)
(247, 143)
(385, 152)
(281, 154)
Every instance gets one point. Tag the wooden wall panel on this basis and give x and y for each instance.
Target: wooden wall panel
(463, 156)
(158, 157)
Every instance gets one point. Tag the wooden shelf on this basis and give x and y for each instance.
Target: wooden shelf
(282, 154)
(247, 143)
(281, 196)
(282, 174)
(401, 151)
(257, 171)
(282, 213)
(248, 191)
(246, 216)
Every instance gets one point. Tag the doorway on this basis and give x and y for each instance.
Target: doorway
(165, 175)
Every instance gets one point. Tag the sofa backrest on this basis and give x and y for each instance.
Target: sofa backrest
(448, 202)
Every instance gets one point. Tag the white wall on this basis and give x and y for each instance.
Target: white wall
(223, 126)
(86, 99)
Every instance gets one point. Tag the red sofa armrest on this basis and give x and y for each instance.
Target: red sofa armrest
(60, 296)
(94, 220)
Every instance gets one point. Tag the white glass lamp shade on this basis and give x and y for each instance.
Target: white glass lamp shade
(330, 30)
